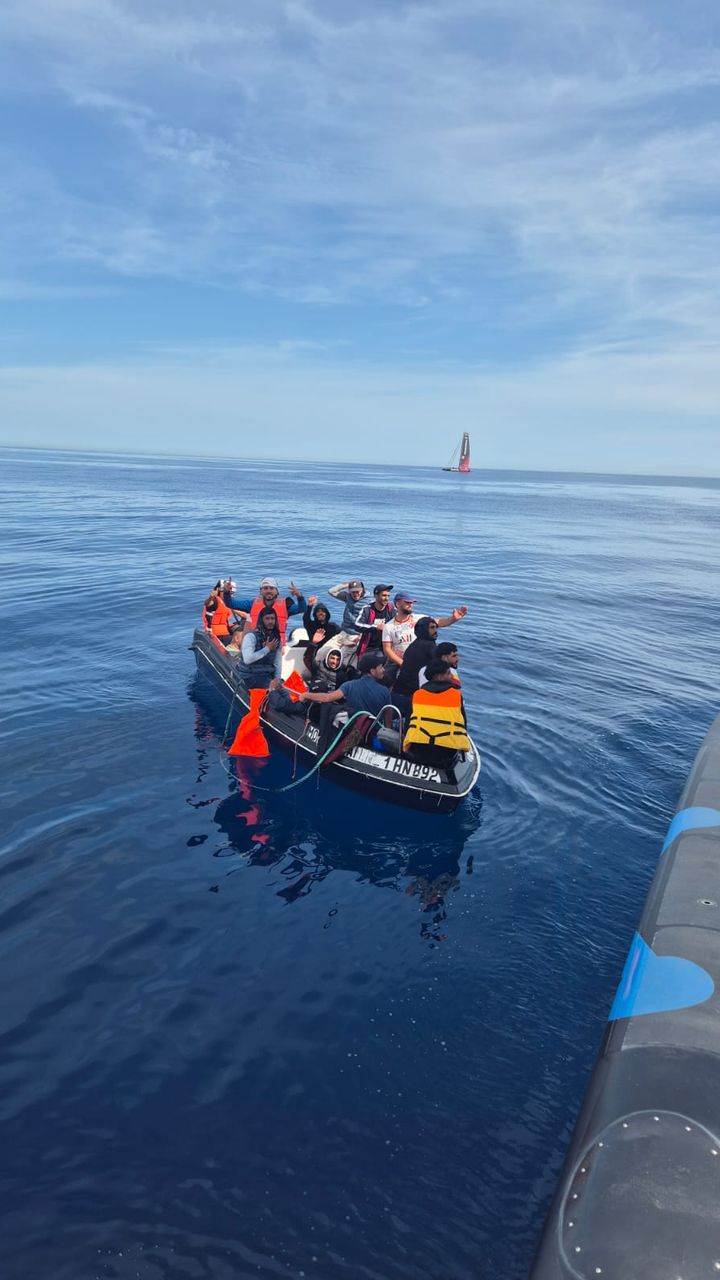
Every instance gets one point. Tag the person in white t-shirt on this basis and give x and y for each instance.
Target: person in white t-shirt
(398, 634)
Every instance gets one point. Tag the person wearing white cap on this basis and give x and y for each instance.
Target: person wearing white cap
(270, 596)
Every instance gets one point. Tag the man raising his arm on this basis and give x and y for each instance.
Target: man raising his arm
(399, 634)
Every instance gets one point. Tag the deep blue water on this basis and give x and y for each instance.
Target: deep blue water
(307, 1035)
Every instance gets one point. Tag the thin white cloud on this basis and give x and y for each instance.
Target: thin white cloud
(24, 291)
(553, 167)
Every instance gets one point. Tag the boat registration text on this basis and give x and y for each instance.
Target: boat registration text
(393, 764)
(386, 764)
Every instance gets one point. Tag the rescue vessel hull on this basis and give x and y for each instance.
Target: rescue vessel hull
(639, 1195)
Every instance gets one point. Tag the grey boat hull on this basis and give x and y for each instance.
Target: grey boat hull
(639, 1195)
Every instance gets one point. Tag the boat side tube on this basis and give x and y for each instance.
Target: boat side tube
(639, 1194)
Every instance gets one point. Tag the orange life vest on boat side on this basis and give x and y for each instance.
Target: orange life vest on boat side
(249, 738)
(281, 613)
(219, 620)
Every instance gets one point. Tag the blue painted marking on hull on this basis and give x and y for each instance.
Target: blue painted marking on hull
(688, 820)
(657, 984)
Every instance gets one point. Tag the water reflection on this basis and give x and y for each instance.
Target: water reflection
(318, 828)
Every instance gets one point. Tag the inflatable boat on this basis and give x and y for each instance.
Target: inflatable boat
(387, 774)
(639, 1195)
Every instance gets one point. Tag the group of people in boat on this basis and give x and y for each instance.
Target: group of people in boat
(382, 658)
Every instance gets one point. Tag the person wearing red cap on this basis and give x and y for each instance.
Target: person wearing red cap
(399, 633)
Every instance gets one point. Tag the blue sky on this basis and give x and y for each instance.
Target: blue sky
(317, 228)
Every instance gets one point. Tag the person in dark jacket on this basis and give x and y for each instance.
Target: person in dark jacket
(437, 729)
(261, 652)
(372, 618)
(417, 655)
(319, 626)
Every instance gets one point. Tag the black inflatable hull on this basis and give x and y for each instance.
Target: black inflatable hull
(376, 774)
(639, 1196)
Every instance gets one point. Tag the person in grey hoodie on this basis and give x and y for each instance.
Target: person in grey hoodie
(354, 597)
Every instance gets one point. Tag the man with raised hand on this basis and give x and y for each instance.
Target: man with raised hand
(269, 597)
(399, 633)
(353, 595)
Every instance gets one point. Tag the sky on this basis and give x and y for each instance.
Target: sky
(353, 229)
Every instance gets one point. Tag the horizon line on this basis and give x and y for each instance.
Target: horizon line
(357, 462)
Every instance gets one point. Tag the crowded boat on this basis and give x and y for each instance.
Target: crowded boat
(374, 691)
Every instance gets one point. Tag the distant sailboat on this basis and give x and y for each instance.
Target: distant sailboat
(464, 463)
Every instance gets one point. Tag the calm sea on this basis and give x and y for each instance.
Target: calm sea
(307, 1035)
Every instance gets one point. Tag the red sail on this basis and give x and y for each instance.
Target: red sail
(464, 463)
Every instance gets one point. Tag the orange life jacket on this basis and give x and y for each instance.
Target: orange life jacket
(249, 739)
(281, 613)
(295, 684)
(219, 620)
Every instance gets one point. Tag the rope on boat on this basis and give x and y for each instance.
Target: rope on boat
(317, 765)
(306, 776)
(295, 751)
(229, 715)
(224, 743)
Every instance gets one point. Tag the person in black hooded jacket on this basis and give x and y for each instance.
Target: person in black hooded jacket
(417, 655)
(319, 626)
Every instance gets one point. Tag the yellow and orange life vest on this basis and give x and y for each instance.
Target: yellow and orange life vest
(437, 720)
